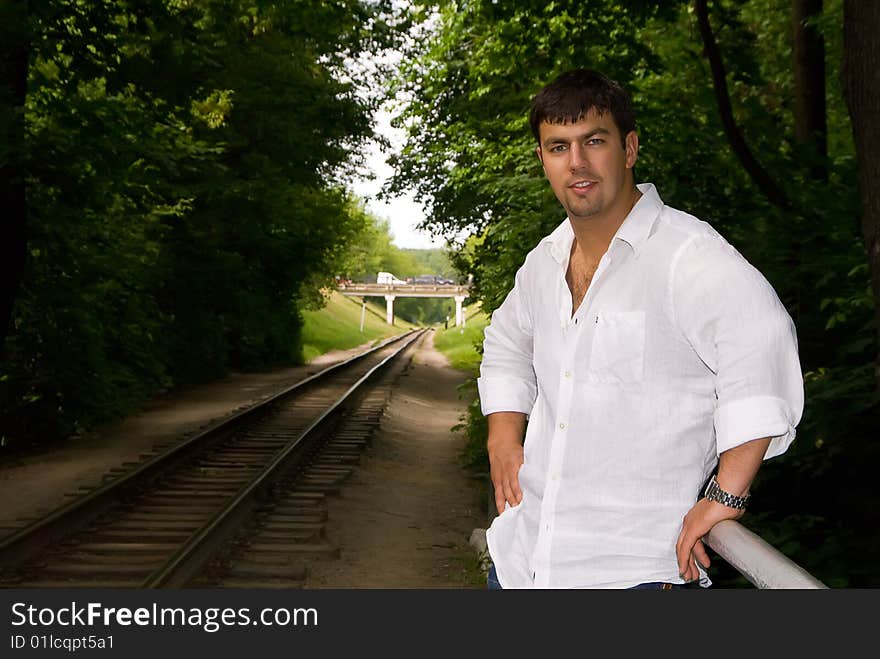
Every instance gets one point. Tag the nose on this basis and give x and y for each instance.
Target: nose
(577, 157)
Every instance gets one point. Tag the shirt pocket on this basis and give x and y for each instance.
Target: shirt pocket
(618, 351)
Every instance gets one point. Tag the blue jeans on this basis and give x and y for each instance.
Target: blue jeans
(492, 583)
(662, 585)
(492, 580)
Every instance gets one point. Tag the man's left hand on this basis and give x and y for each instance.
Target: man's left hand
(698, 522)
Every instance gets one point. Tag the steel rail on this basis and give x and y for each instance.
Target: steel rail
(195, 552)
(15, 547)
(756, 559)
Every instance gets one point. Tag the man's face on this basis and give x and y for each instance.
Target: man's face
(586, 165)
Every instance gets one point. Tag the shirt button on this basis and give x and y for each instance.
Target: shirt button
(568, 374)
(562, 426)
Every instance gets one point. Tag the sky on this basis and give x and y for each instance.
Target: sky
(403, 213)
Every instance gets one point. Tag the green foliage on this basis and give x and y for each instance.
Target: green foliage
(431, 262)
(374, 251)
(469, 158)
(185, 165)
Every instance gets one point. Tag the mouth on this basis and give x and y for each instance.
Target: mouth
(582, 186)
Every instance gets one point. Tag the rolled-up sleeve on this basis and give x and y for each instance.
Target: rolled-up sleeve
(735, 322)
(507, 380)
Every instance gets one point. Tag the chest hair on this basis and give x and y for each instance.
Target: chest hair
(579, 276)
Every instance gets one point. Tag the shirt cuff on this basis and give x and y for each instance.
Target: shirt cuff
(744, 420)
(505, 394)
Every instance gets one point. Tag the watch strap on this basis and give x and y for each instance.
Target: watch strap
(714, 492)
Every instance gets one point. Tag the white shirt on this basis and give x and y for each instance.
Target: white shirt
(679, 351)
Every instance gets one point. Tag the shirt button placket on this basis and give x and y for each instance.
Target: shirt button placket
(548, 507)
(555, 459)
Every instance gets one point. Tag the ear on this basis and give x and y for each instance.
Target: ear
(540, 155)
(631, 146)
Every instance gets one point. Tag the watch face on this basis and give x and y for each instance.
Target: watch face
(711, 487)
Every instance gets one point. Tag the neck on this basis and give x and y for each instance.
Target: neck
(593, 234)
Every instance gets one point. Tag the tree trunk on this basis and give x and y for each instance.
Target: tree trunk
(794, 299)
(14, 52)
(861, 77)
(808, 51)
(741, 149)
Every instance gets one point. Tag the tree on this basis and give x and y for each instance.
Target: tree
(753, 168)
(861, 73)
(14, 54)
(808, 53)
(184, 172)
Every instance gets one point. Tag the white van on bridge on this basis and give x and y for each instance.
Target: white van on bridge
(388, 278)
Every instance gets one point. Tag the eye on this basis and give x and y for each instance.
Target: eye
(557, 148)
(594, 141)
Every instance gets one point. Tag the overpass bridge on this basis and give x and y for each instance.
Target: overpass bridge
(392, 291)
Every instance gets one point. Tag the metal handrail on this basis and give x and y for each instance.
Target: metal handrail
(756, 559)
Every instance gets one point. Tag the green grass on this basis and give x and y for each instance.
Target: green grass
(337, 326)
(472, 567)
(459, 343)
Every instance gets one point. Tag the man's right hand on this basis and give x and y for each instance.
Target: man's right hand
(506, 456)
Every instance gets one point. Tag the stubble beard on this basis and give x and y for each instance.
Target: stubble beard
(582, 209)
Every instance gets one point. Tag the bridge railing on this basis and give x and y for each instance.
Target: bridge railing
(415, 288)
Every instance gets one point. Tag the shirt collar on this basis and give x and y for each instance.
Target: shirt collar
(560, 241)
(638, 224)
(634, 231)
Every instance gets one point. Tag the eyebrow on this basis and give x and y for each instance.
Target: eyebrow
(551, 140)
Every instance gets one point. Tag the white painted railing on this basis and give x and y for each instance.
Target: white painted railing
(757, 560)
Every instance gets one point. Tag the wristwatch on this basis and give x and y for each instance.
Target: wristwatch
(714, 492)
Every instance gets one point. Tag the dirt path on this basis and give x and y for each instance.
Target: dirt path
(403, 520)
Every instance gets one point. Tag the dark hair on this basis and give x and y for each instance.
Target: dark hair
(570, 96)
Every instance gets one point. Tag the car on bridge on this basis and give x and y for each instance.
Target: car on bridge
(433, 280)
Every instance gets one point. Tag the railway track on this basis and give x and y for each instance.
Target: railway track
(238, 505)
(275, 548)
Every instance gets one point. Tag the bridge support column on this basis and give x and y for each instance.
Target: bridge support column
(389, 309)
(459, 316)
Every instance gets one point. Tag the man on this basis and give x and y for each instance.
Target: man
(644, 350)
